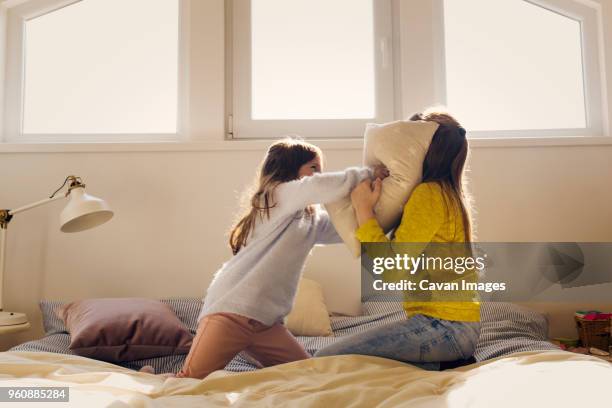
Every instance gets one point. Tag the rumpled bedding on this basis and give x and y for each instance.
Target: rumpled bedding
(544, 378)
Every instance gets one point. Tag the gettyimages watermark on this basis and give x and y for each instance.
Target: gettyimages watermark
(508, 272)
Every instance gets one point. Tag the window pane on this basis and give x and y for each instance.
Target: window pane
(102, 66)
(312, 59)
(513, 65)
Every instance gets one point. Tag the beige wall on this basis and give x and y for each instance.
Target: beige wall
(173, 210)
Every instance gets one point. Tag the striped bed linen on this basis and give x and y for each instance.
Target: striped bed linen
(506, 329)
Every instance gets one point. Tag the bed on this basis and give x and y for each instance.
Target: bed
(507, 329)
(514, 363)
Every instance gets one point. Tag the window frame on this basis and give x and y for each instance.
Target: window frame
(16, 18)
(238, 97)
(588, 14)
(206, 63)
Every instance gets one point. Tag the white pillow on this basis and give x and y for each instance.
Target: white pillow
(309, 316)
(401, 146)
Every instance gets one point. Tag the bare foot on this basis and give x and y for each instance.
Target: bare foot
(147, 369)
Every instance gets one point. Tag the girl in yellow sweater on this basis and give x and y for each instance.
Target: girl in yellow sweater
(435, 334)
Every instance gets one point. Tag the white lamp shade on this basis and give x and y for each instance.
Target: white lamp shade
(83, 212)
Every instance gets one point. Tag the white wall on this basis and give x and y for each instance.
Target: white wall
(173, 210)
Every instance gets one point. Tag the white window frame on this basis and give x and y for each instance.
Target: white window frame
(17, 13)
(240, 124)
(205, 50)
(425, 81)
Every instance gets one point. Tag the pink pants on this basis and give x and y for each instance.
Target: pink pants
(221, 336)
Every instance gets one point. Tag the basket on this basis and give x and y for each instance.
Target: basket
(594, 333)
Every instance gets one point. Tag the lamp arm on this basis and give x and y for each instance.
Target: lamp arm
(5, 217)
(36, 204)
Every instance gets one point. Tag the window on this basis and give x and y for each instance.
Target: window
(97, 67)
(515, 67)
(200, 70)
(318, 68)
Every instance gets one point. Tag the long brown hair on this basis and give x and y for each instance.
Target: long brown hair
(445, 163)
(281, 164)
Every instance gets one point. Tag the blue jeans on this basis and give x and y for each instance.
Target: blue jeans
(419, 340)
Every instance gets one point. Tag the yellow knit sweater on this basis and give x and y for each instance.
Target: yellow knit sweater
(426, 219)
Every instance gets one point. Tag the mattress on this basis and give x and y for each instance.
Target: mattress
(506, 329)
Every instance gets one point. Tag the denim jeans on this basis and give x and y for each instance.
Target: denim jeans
(419, 340)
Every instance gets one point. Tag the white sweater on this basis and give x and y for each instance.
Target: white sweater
(261, 280)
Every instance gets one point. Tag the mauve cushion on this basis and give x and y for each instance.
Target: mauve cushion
(124, 329)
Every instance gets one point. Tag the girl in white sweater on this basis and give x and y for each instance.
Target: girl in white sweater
(253, 291)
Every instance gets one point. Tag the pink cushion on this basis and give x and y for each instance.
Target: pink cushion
(124, 329)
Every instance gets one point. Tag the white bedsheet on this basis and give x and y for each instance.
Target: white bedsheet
(528, 379)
